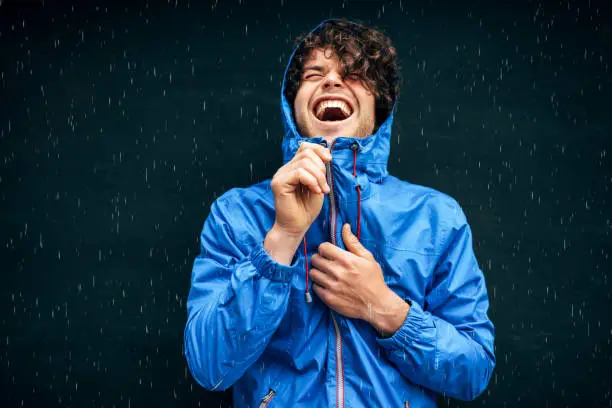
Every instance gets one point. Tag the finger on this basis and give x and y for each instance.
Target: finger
(324, 265)
(332, 252)
(352, 244)
(322, 293)
(302, 176)
(322, 151)
(296, 176)
(322, 279)
(310, 154)
(321, 174)
(316, 172)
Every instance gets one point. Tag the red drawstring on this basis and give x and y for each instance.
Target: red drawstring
(307, 295)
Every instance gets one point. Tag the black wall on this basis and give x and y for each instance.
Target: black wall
(120, 124)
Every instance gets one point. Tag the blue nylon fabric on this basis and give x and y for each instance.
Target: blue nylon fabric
(248, 324)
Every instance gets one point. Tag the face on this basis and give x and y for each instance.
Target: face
(328, 105)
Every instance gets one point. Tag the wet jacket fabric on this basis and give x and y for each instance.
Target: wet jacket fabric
(250, 327)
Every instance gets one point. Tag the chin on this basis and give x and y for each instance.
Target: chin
(341, 132)
(331, 129)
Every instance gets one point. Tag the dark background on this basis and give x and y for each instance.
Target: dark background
(120, 124)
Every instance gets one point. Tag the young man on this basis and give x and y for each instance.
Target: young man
(334, 283)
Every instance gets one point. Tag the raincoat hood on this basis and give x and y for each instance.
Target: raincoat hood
(373, 149)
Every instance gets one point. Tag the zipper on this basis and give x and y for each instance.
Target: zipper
(333, 216)
(267, 398)
(333, 213)
(339, 365)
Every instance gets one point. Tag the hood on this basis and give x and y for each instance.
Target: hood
(373, 149)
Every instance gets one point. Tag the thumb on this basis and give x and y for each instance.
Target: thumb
(351, 242)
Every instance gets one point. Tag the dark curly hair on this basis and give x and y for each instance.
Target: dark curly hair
(361, 50)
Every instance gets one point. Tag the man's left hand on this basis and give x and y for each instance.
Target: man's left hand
(352, 283)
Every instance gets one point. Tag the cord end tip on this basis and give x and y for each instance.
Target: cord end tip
(308, 297)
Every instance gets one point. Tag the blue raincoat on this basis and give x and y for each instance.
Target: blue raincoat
(250, 327)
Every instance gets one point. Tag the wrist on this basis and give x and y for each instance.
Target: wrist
(288, 234)
(280, 245)
(389, 315)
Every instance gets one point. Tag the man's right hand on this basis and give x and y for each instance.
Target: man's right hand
(299, 188)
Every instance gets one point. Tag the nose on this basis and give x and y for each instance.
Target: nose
(333, 80)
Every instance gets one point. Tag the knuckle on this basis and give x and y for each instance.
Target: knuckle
(352, 272)
(339, 285)
(303, 175)
(298, 156)
(309, 162)
(314, 153)
(335, 286)
(304, 162)
(341, 273)
(350, 263)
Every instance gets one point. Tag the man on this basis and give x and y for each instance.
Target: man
(336, 284)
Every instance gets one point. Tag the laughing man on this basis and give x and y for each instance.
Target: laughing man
(334, 283)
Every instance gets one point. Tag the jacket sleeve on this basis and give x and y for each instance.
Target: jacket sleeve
(447, 345)
(238, 297)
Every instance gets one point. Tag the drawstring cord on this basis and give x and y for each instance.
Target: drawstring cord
(307, 295)
(354, 148)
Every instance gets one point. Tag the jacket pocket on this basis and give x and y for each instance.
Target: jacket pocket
(267, 398)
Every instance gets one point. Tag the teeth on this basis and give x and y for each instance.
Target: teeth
(332, 103)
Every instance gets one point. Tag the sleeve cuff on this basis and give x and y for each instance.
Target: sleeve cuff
(410, 330)
(271, 269)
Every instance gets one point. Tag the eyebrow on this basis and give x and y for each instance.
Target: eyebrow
(313, 67)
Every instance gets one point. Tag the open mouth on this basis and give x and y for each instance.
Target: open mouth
(332, 110)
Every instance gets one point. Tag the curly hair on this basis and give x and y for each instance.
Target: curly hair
(361, 50)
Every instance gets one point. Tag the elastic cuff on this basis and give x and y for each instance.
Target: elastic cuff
(271, 269)
(410, 330)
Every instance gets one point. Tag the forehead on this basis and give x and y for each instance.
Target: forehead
(320, 56)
